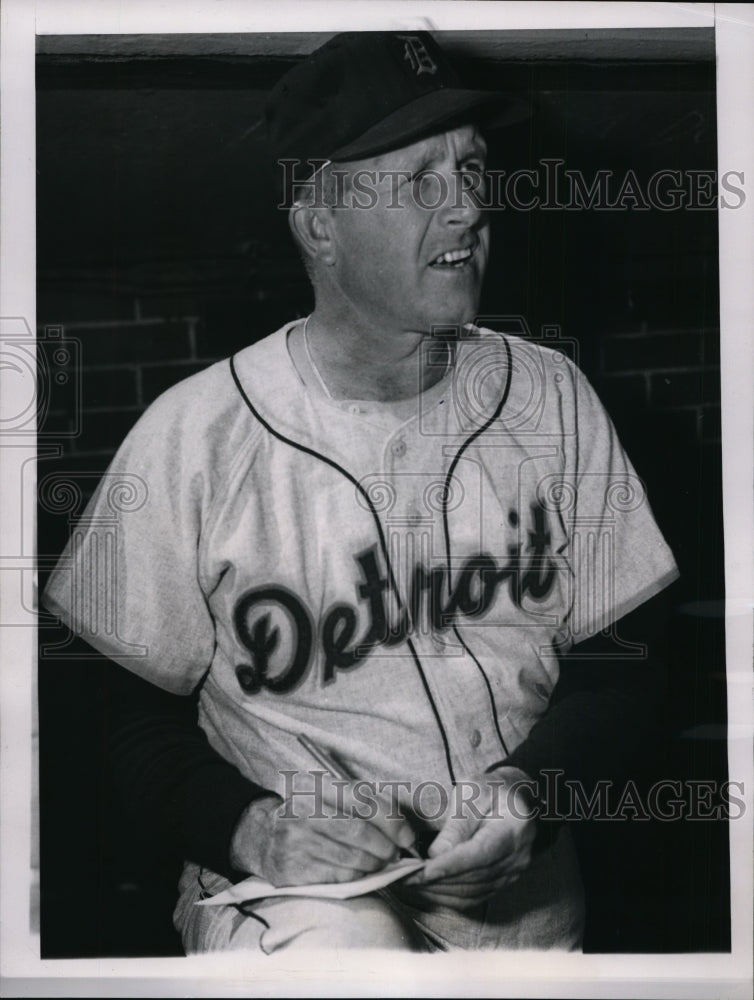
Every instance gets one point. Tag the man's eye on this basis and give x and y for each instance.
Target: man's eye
(430, 188)
(473, 178)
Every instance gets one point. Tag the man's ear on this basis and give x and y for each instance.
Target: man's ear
(312, 229)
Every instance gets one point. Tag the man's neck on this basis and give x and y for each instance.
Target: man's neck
(356, 362)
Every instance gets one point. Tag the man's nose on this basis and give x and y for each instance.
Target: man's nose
(458, 197)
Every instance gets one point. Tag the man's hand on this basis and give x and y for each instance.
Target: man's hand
(484, 844)
(288, 847)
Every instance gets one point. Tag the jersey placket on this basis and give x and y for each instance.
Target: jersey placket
(415, 470)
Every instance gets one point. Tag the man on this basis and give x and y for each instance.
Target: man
(378, 529)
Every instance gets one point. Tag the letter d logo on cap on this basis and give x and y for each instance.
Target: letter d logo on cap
(416, 54)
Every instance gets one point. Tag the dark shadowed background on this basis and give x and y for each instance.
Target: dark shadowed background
(160, 251)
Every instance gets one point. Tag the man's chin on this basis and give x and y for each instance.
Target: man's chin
(451, 320)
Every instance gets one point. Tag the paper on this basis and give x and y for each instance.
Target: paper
(258, 888)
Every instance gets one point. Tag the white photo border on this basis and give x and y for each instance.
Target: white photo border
(372, 974)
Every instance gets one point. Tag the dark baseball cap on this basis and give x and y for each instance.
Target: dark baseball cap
(367, 92)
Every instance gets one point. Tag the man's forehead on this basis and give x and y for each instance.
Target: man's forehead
(464, 140)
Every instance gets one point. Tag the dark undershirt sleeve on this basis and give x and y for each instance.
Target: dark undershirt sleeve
(168, 778)
(605, 715)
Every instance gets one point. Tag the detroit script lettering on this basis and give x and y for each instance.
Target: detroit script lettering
(348, 633)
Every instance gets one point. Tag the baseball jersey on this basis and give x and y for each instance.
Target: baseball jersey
(396, 582)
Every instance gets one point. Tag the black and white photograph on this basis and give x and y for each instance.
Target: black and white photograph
(383, 534)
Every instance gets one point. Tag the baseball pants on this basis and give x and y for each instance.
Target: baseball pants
(543, 910)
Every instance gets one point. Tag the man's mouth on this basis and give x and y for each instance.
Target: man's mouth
(453, 258)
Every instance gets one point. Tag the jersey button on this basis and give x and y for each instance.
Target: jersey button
(398, 447)
(414, 517)
(476, 738)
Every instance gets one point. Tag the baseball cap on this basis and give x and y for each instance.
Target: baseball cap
(367, 92)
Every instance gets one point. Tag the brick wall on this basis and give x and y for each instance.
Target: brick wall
(672, 374)
(661, 386)
(124, 365)
(104, 357)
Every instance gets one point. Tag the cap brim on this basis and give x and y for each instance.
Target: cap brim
(431, 113)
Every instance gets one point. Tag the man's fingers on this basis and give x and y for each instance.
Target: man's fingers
(343, 841)
(344, 867)
(479, 854)
(463, 886)
(328, 851)
(348, 845)
(354, 834)
(447, 869)
(313, 870)
(457, 895)
(463, 858)
(480, 876)
(455, 901)
(454, 832)
(359, 801)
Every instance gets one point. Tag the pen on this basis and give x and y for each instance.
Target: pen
(337, 769)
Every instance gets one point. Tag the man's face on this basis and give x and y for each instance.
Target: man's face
(415, 256)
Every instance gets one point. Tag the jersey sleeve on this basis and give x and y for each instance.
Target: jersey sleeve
(128, 581)
(617, 555)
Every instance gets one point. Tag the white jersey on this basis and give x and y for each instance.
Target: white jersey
(395, 587)
(395, 581)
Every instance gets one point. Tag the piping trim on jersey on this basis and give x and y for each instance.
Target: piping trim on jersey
(446, 528)
(383, 546)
